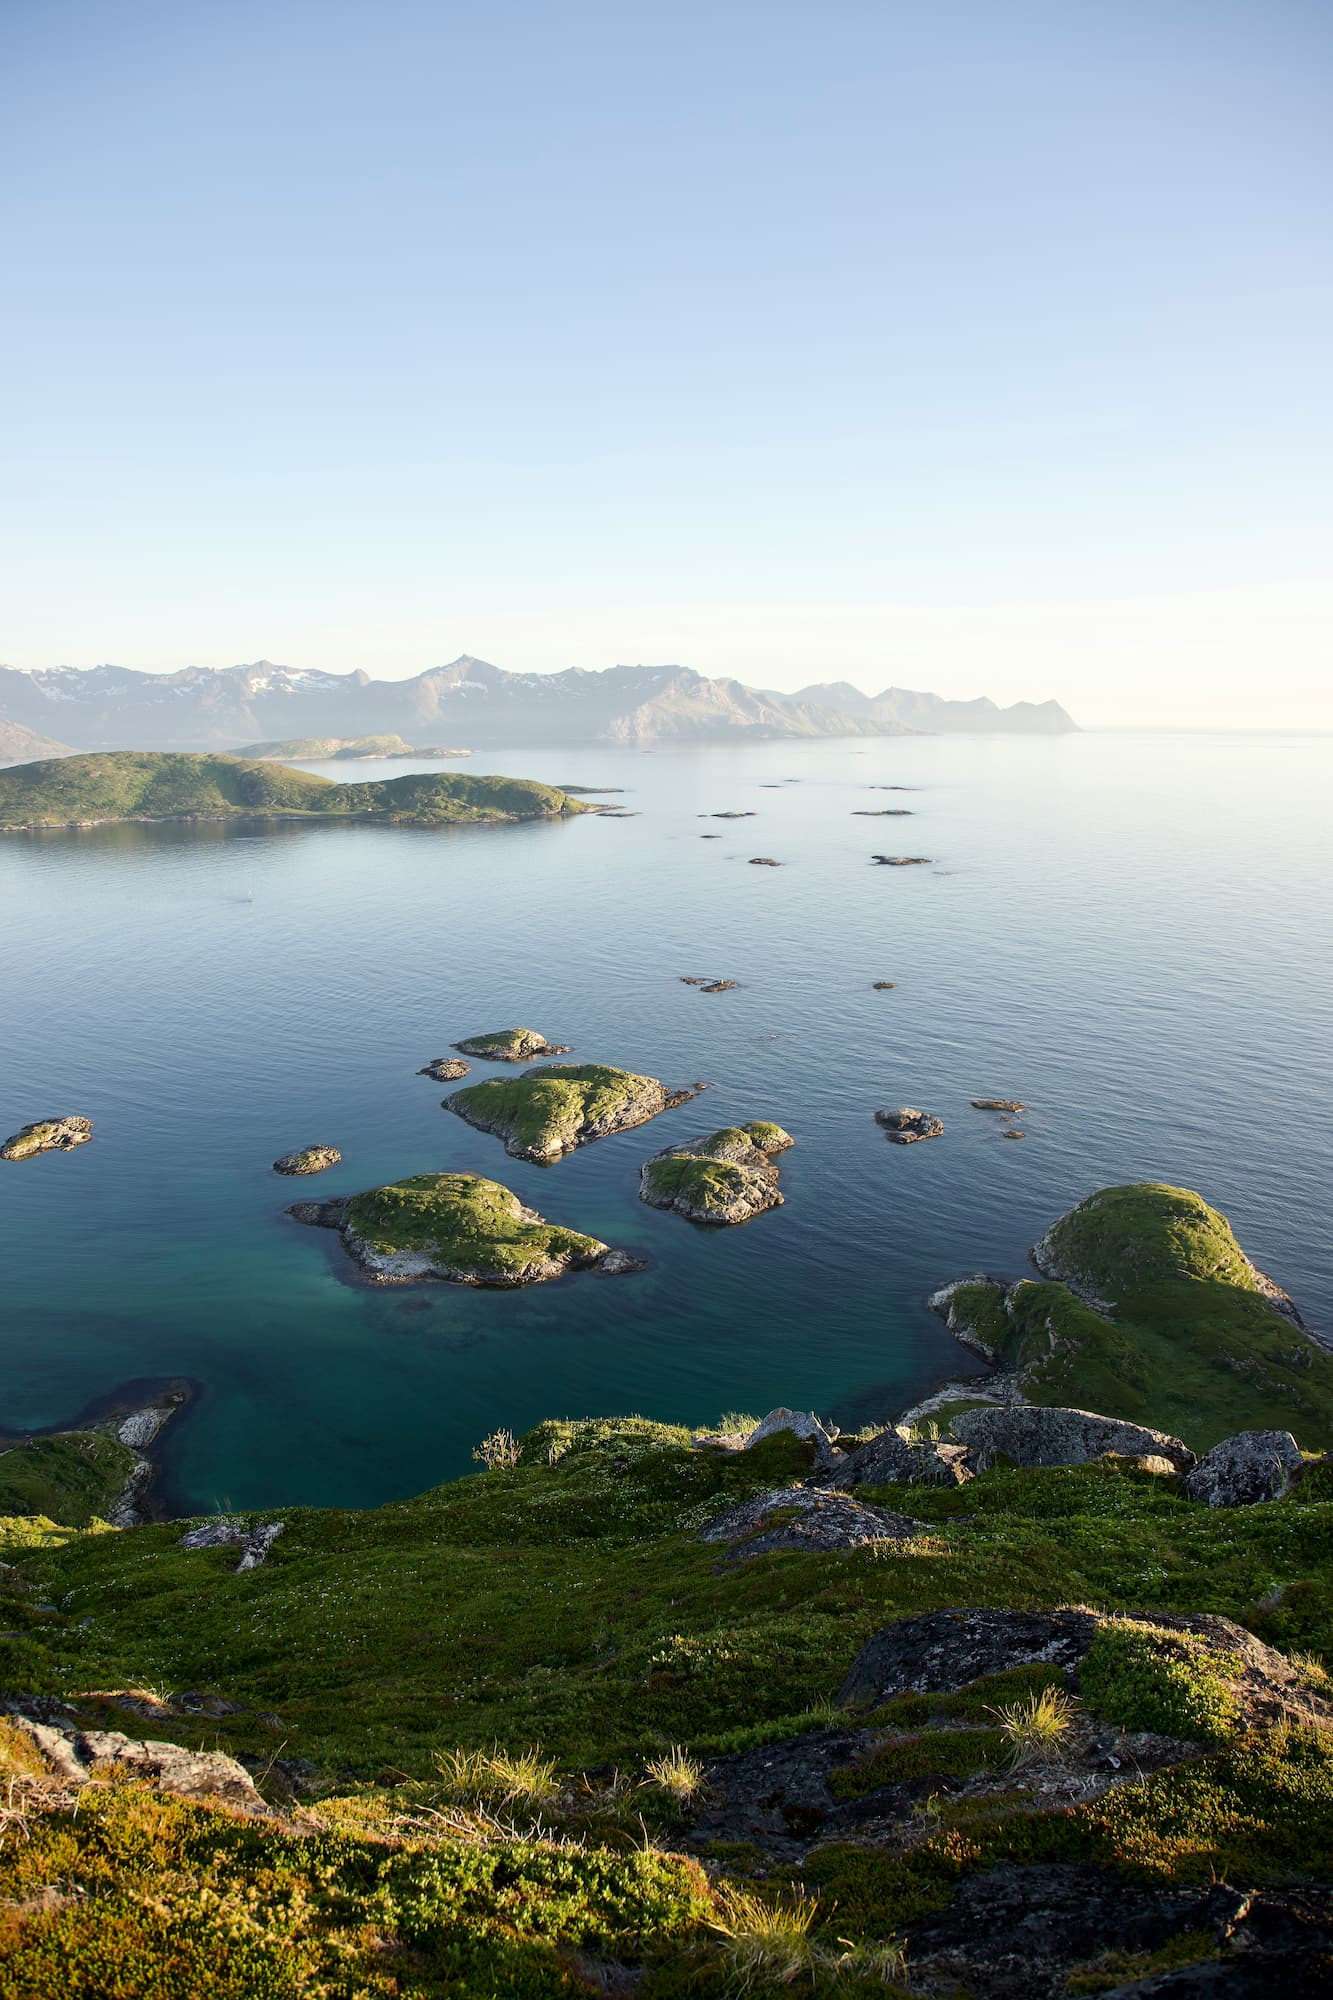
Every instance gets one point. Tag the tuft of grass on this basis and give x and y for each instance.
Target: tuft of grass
(768, 1942)
(498, 1777)
(500, 1451)
(676, 1773)
(1036, 1726)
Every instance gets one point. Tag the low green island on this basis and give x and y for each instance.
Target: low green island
(160, 785)
(71, 1477)
(724, 1178)
(340, 749)
(1149, 1309)
(456, 1227)
(547, 1112)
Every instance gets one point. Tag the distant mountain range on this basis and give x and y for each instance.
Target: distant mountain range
(468, 702)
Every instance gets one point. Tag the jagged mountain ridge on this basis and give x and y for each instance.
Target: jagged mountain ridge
(114, 708)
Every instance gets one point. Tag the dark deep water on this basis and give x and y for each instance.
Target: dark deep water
(1131, 933)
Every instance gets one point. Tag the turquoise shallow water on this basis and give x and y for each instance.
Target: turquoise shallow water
(1131, 933)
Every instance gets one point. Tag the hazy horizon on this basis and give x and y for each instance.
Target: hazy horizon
(966, 349)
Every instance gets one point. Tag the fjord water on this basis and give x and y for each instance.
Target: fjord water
(1130, 933)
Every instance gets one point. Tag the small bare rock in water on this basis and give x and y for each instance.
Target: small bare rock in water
(908, 1124)
(997, 1104)
(310, 1160)
(1012, 1132)
(445, 1069)
(764, 861)
(884, 985)
(901, 860)
(47, 1135)
(619, 1263)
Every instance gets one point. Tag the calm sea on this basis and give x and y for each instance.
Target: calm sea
(1130, 933)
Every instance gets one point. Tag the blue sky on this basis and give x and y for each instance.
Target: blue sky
(971, 346)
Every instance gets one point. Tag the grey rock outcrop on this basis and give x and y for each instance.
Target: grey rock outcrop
(945, 1650)
(47, 1135)
(803, 1424)
(907, 1124)
(1042, 1436)
(804, 1517)
(892, 1459)
(254, 1543)
(445, 1069)
(1252, 1466)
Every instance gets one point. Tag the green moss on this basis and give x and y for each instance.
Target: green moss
(703, 1183)
(466, 1225)
(547, 1112)
(932, 1753)
(971, 1704)
(70, 1478)
(1149, 1677)
(132, 784)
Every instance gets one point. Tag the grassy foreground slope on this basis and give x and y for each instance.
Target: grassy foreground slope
(1150, 1310)
(471, 1669)
(151, 785)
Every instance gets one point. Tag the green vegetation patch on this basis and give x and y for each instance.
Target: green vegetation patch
(173, 1899)
(1190, 1342)
(1149, 1677)
(151, 784)
(548, 1112)
(931, 1753)
(464, 1224)
(71, 1478)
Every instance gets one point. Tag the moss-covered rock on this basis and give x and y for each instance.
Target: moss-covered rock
(547, 1112)
(511, 1045)
(457, 1227)
(47, 1135)
(726, 1177)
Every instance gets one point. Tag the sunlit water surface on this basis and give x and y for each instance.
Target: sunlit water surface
(1130, 933)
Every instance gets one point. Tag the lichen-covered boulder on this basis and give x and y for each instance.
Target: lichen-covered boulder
(77, 1756)
(802, 1424)
(906, 1125)
(804, 1517)
(1252, 1466)
(892, 1459)
(1043, 1436)
(722, 1179)
(309, 1160)
(47, 1135)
